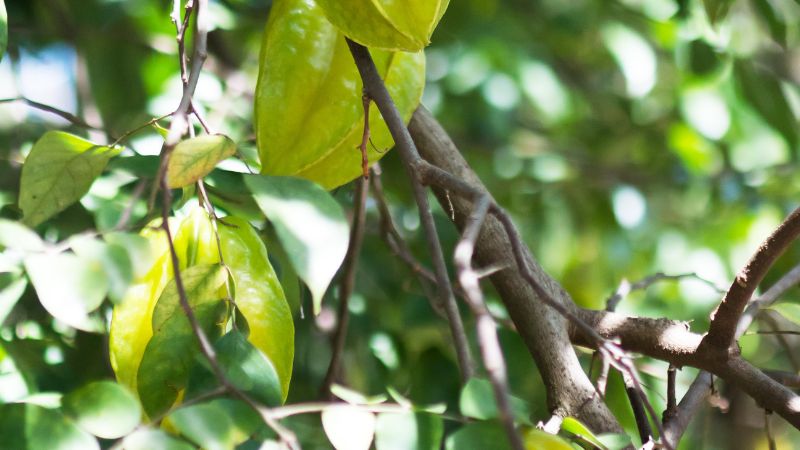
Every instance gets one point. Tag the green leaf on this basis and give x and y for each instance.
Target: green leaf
(58, 172)
(3, 29)
(478, 436)
(9, 295)
(206, 425)
(138, 248)
(244, 366)
(310, 224)
(408, 431)
(538, 439)
(68, 286)
(104, 409)
(16, 236)
(150, 439)
(201, 284)
(25, 426)
(348, 427)
(717, 9)
(308, 109)
(259, 296)
(577, 428)
(245, 420)
(763, 92)
(386, 24)
(168, 357)
(195, 158)
(615, 440)
(113, 260)
(477, 401)
(790, 311)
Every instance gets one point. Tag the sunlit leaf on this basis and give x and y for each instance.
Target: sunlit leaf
(259, 296)
(150, 439)
(201, 284)
(244, 366)
(25, 426)
(310, 224)
(308, 110)
(194, 158)
(763, 92)
(206, 425)
(477, 400)
(577, 428)
(16, 236)
(614, 440)
(58, 172)
(355, 397)
(68, 286)
(113, 260)
(386, 24)
(348, 427)
(540, 440)
(159, 383)
(138, 249)
(478, 436)
(104, 409)
(408, 431)
(9, 295)
(773, 19)
(245, 420)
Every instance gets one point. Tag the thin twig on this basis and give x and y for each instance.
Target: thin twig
(346, 284)
(626, 288)
(375, 89)
(488, 342)
(68, 116)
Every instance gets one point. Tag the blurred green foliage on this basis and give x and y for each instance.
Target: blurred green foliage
(625, 137)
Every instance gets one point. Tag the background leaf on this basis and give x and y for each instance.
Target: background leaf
(104, 409)
(25, 426)
(3, 29)
(310, 224)
(478, 436)
(57, 173)
(194, 158)
(477, 401)
(763, 92)
(68, 286)
(207, 425)
(17, 236)
(150, 439)
(348, 427)
(408, 431)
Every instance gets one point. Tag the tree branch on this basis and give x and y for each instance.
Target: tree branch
(375, 89)
(722, 331)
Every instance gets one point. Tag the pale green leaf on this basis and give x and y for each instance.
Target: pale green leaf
(348, 427)
(25, 426)
(310, 224)
(577, 428)
(541, 440)
(195, 158)
(408, 431)
(104, 409)
(58, 172)
(16, 236)
(111, 259)
(68, 286)
(9, 295)
(150, 439)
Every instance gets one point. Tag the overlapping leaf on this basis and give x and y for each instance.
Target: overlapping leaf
(194, 158)
(308, 109)
(388, 24)
(58, 172)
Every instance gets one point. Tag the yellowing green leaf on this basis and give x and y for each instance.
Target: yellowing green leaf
(308, 109)
(541, 440)
(310, 224)
(195, 158)
(58, 172)
(387, 24)
(259, 296)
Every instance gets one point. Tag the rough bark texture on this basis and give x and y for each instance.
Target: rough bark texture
(570, 392)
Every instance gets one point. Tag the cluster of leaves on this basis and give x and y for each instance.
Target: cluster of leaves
(544, 99)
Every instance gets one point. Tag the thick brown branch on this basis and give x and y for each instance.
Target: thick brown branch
(722, 331)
